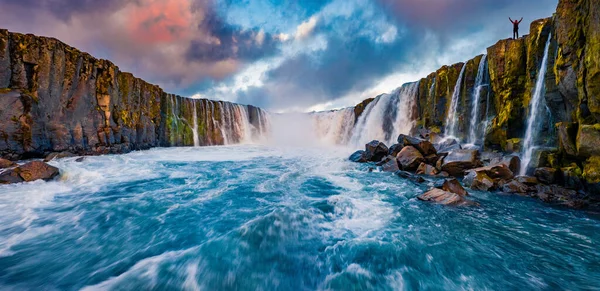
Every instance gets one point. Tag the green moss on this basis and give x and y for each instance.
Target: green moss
(591, 171)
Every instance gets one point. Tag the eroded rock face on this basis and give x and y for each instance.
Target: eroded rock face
(458, 161)
(409, 158)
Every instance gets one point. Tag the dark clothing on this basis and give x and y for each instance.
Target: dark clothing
(515, 27)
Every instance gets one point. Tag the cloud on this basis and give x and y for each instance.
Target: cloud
(306, 28)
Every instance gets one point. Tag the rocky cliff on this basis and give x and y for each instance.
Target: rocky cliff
(570, 133)
(56, 98)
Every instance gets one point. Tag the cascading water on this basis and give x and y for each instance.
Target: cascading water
(451, 118)
(475, 130)
(387, 116)
(535, 105)
(334, 127)
(195, 128)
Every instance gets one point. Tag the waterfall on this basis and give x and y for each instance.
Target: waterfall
(432, 88)
(195, 128)
(387, 116)
(334, 127)
(479, 84)
(534, 107)
(451, 118)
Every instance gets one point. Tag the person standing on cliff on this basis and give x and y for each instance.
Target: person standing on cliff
(515, 27)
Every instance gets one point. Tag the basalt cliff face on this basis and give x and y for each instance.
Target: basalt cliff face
(55, 98)
(569, 133)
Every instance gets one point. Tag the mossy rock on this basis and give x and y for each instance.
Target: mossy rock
(591, 170)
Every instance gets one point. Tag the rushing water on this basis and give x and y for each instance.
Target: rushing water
(452, 117)
(475, 131)
(267, 218)
(535, 110)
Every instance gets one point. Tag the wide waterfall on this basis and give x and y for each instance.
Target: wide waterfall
(535, 106)
(205, 122)
(451, 118)
(334, 127)
(387, 116)
(476, 131)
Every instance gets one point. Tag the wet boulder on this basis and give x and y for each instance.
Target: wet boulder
(410, 176)
(409, 158)
(591, 173)
(451, 185)
(458, 161)
(29, 172)
(389, 164)
(6, 164)
(546, 175)
(376, 150)
(515, 187)
(10, 177)
(513, 163)
(588, 139)
(448, 145)
(499, 171)
(395, 149)
(424, 146)
(425, 169)
(479, 181)
(359, 157)
(60, 155)
(527, 180)
(572, 176)
(444, 198)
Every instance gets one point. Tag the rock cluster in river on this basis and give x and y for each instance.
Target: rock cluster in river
(443, 161)
(11, 173)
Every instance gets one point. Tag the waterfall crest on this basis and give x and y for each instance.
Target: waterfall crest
(533, 119)
(451, 118)
(334, 127)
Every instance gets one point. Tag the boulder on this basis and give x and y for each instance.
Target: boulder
(359, 157)
(389, 164)
(527, 180)
(588, 139)
(458, 161)
(546, 175)
(80, 159)
(443, 197)
(513, 163)
(376, 150)
(567, 134)
(6, 164)
(425, 169)
(479, 181)
(60, 155)
(572, 175)
(410, 176)
(37, 170)
(451, 185)
(410, 158)
(424, 146)
(554, 193)
(591, 170)
(514, 145)
(395, 149)
(515, 187)
(499, 171)
(447, 145)
(10, 177)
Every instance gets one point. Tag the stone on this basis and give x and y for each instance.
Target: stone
(359, 157)
(409, 158)
(499, 171)
(458, 161)
(448, 145)
(80, 159)
(572, 176)
(515, 187)
(452, 185)
(591, 170)
(431, 159)
(514, 145)
(425, 169)
(588, 139)
(389, 164)
(10, 177)
(395, 149)
(527, 180)
(376, 150)
(513, 163)
(60, 155)
(37, 170)
(443, 197)
(567, 135)
(410, 176)
(6, 164)
(479, 181)
(424, 146)
(546, 175)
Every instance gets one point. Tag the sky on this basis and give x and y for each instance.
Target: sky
(281, 55)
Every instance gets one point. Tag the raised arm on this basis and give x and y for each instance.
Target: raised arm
(511, 21)
(521, 20)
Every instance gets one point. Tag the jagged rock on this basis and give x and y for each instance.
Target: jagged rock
(443, 174)
(409, 158)
(409, 176)
(424, 146)
(425, 169)
(10, 177)
(527, 180)
(546, 175)
(448, 145)
(79, 160)
(444, 198)
(37, 170)
(512, 162)
(514, 145)
(360, 108)
(515, 187)
(60, 155)
(395, 149)
(359, 157)
(567, 135)
(452, 185)
(499, 171)
(572, 176)
(376, 151)
(591, 170)
(432, 159)
(6, 164)
(389, 164)
(460, 160)
(479, 181)
(491, 158)
(588, 139)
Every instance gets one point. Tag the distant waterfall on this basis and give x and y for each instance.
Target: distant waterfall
(451, 118)
(475, 127)
(334, 127)
(387, 116)
(533, 120)
(205, 122)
